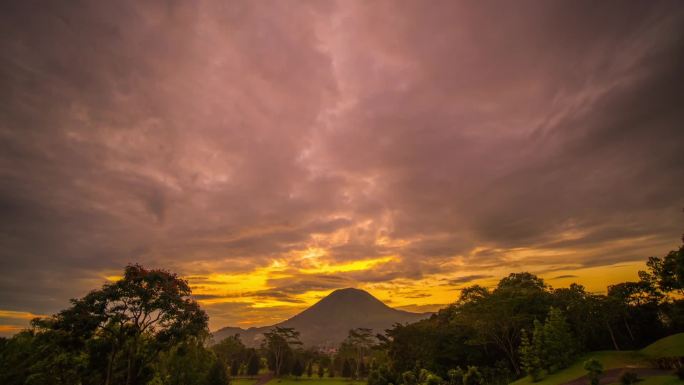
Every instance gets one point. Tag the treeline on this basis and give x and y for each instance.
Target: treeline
(354, 359)
(524, 326)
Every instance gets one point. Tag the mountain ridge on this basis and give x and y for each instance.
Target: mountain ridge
(327, 322)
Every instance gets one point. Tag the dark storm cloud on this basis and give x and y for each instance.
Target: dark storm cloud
(467, 279)
(220, 136)
(565, 276)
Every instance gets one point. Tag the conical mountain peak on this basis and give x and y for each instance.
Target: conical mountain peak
(329, 320)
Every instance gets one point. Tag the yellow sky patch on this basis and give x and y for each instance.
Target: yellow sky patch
(23, 315)
(428, 293)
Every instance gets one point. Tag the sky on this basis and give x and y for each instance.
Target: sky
(271, 152)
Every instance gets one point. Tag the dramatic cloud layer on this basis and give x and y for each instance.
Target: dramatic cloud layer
(274, 151)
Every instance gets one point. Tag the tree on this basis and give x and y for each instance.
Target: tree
(321, 372)
(362, 371)
(231, 350)
(234, 368)
(558, 342)
(188, 363)
(529, 357)
(218, 375)
(497, 317)
(347, 370)
(138, 317)
(382, 375)
(667, 273)
(360, 341)
(331, 369)
(253, 365)
(309, 369)
(551, 347)
(297, 368)
(278, 343)
(583, 312)
(666, 276)
(594, 370)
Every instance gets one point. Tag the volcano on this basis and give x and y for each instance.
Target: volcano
(327, 322)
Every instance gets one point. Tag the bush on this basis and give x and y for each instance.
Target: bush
(433, 379)
(594, 369)
(455, 376)
(629, 378)
(472, 376)
(218, 374)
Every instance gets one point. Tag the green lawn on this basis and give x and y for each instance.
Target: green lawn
(672, 346)
(314, 381)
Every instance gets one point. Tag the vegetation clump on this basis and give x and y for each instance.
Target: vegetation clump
(594, 370)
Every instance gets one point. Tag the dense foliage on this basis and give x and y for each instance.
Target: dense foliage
(525, 327)
(142, 328)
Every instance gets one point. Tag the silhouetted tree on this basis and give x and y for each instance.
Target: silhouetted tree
(234, 368)
(218, 375)
(139, 316)
(278, 343)
(331, 369)
(253, 365)
(297, 368)
(346, 369)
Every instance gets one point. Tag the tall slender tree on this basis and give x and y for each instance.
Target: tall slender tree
(278, 343)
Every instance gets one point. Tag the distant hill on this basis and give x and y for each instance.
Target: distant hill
(328, 321)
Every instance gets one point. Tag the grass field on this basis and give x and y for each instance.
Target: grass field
(666, 347)
(314, 381)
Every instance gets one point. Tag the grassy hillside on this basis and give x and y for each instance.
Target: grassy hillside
(672, 346)
(609, 359)
(666, 347)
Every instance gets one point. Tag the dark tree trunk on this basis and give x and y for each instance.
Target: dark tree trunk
(612, 336)
(629, 330)
(110, 364)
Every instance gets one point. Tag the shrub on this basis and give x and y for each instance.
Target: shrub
(629, 378)
(472, 376)
(594, 369)
(455, 376)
